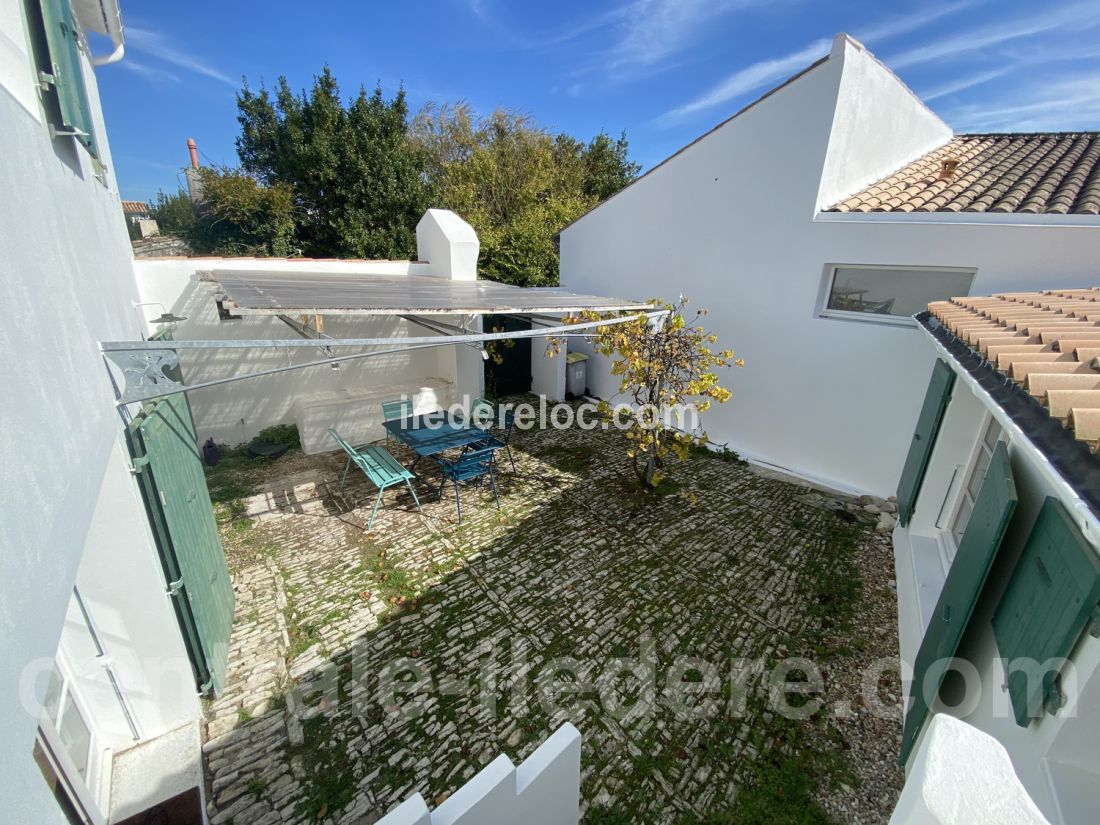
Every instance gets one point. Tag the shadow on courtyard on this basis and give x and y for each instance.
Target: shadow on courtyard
(366, 667)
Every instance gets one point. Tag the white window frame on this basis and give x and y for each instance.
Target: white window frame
(829, 277)
(82, 791)
(960, 494)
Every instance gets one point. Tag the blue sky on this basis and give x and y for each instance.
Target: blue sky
(664, 70)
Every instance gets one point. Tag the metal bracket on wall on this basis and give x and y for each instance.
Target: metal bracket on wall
(143, 373)
(1055, 698)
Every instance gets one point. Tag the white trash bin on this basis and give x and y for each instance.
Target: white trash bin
(576, 374)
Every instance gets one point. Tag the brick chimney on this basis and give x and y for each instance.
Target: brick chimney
(194, 182)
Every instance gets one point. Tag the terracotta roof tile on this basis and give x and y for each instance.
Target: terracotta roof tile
(135, 208)
(1047, 342)
(1086, 425)
(1054, 173)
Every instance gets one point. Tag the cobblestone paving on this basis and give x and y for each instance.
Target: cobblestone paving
(572, 565)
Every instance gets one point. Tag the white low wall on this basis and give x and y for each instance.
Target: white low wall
(961, 776)
(357, 413)
(234, 413)
(544, 790)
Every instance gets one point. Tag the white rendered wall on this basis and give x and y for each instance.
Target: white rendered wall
(236, 412)
(544, 790)
(903, 127)
(961, 776)
(270, 400)
(730, 223)
(65, 267)
(122, 584)
(548, 373)
(448, 245)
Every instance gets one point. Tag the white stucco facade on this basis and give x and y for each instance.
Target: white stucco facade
(70, 513)
(315, 398)
(733, 222)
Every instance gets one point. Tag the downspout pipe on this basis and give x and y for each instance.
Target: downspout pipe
(107, 22)
(113, 57)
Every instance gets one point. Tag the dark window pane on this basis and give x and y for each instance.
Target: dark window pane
(894, 291)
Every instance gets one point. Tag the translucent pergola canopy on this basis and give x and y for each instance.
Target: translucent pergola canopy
(276, 293)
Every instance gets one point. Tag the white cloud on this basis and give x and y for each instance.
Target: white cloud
(773, 70)
(750, 78)
(654, 30)
(1070, 103)
(962, 83)
(481, 9)
(911, 22)
(153, 73)
(156, 45)
(1077, 16)
(643, 34)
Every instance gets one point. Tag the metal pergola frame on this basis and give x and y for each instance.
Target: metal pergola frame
(144, 364)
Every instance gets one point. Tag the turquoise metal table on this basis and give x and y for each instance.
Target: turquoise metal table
(432, 433)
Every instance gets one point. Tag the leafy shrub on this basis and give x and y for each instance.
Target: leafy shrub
(281, 434)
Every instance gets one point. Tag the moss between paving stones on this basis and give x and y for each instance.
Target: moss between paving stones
(577, 563)
(330, 780)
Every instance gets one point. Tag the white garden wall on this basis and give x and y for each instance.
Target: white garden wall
(730, 222)
(961, 776)
(315, 397)
(544, 790)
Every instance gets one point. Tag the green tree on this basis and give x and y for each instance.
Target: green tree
(607, 166)
(662, 364)
(174, 214)
(358, 181)
(238, 216)
(516, 183)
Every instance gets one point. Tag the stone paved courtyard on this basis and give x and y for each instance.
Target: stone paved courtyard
(575, 567)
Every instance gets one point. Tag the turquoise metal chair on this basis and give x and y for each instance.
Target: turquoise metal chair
(350, 450)
(471, 466)
(499, 439)
(482, 414)
(395, 410)
(380, 468)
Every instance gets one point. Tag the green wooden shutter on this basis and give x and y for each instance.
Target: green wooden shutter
(162, 441)
(992, 511)
(1049, 600)
(63, 39)
(928, 425)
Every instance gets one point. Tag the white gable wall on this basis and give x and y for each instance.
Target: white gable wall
(879, 126)
(730, 223)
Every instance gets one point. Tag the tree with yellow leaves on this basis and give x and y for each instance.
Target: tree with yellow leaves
(665, 365)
